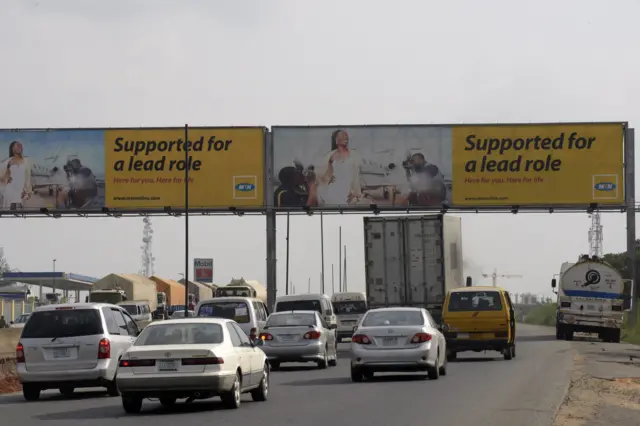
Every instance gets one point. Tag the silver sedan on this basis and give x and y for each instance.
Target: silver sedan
(397, 340)
(299, 336)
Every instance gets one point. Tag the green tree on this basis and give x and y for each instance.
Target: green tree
(619, 261)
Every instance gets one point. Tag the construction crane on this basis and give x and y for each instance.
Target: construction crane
(494, 276)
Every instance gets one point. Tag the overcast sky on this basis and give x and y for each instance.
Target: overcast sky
(166, 63)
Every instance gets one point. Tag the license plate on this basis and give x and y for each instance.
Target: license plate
(167, 366)
(61, 353)
(286, 338)
(389, 341)
(463, 335)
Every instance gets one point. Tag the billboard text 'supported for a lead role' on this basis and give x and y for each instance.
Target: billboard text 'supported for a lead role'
(428, 166)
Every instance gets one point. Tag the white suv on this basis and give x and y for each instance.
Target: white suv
(71, 346)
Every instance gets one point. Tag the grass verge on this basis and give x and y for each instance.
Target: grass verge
(542, 315)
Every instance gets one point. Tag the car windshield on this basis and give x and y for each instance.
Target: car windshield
(132, 309)
(350, 307)
(180, 314)
(299, 305)
(63, 323)
(237, 311)
(291, 320)
(463, 301)
(394, 318)
(185, 333)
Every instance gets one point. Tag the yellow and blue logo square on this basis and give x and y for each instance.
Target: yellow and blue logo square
(605, 187)
(245, 187)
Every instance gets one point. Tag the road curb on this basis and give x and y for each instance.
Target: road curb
(565, 392)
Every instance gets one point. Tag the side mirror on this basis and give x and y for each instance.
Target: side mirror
(554, 283)
(258, 342)
(333, 326)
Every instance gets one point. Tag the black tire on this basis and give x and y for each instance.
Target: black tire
(433, 373)
(443, 369)
(232, 398)
(568, 335)
(506, 352)
(615, 336)
(334, 362)
(325, 361)
(131, 405)
(559, 333)
(275, 365)
(30, 392)
(66, 391)
(513, 351)
(368, 374)
(168, 402)
(356, 374)
(451, 356)
(261, 393)
(112, 388)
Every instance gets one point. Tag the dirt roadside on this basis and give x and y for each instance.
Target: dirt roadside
(605, 386)
(8, 378)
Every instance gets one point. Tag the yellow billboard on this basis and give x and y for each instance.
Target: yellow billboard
(145, 168)
(528, 165)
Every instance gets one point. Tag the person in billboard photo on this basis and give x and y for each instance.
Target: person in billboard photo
(81, 189)
(339, 182)
(426, 183)
(296, 189)
(16, 178)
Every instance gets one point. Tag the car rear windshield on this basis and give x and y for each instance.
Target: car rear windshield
(186, 333)
(63, 323)
(351, 307)
(299, 305)
(291, 320)
(132, 309)
(237, 311)
(463, 301)
(395, 318)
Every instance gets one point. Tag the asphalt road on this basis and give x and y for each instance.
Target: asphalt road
(480, 389)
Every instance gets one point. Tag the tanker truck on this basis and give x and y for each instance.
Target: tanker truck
(243, 288)
(591, 298)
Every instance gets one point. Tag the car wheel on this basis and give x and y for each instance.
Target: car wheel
(262, 392)
(334, 362)
(451, 355)
(66, 391)
(433, 373)
(443, 369)
(507, 353)
(275, 365)
(356, 374)
(325, 361)
(112, 388)
(231, 399)
(31, 392)
(513, 351)
(131, 405)
(167, 402)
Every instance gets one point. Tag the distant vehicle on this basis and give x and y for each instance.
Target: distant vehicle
(138, 309)
(243, 288)
(320, 303)
(71, 346)
(180, 314)
(246, 311)
(591, 299)
(299, 336)
(349, 308)
(117, 288)
(19, 322)
(195, 358)
(169, 293)
(397, 340)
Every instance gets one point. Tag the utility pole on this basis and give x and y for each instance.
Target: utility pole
(340, 259)
(321, 254)
(309, 285)
(333, 286)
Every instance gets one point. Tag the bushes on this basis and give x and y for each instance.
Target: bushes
(542, 315)
(631, 335)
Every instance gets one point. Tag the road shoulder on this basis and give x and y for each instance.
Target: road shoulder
(605, 386)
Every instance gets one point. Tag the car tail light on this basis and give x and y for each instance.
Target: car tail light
(421, 338)
(360, 339)
(137, 362)
(104, 349)
(565, 304)
(20, 353)
(312, 335)
(266, 336)
(202, 361)
(616, 308)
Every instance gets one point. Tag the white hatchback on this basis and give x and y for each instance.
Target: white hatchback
(193, 358)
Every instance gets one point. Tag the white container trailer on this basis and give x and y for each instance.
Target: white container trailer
(412, 260)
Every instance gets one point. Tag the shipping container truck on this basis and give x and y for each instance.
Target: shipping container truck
(170, 292)
(591, 299)
(243, 288)
(412, 260)
(116, 288)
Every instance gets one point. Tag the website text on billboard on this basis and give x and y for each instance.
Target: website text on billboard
(130, 169)
(460, 166)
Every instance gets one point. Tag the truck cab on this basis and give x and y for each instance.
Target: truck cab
(591, 299)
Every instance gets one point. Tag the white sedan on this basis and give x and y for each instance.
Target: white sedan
(397, 340)
(193, 358)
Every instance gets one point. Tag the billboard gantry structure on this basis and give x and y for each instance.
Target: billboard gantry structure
(333, 168)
